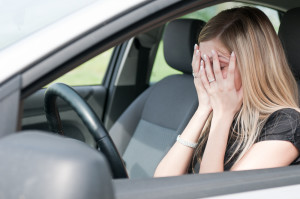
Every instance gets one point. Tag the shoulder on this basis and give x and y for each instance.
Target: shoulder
(288, 112)
(283, 124)
(286, 116)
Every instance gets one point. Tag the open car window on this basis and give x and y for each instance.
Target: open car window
(160, 67)
(89, 73)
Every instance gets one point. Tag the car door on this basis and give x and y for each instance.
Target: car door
(189, 186)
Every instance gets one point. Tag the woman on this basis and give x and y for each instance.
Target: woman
(248, 116)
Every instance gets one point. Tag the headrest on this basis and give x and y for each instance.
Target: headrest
(179, 38)
(289, 33)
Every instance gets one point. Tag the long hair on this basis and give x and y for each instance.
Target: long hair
(268, 83)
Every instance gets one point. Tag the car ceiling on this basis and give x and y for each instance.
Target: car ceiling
(282, 5)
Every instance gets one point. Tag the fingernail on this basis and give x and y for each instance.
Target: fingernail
(197, 52)
(213, 52)
(204, 57)
(195, 46)
(201, 67)
(232, 54)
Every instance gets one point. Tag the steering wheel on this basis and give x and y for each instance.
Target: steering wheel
(89, 118)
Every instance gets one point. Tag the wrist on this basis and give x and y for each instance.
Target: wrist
(223, 115)
(225, 119)
(221, 121)
(203, 111)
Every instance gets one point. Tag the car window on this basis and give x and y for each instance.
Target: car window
(161, 69)
(89, 73)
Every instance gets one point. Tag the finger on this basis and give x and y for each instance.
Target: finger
(216, 66)
(197, 64)
(208, 68)
(199, 85)
(198, 82)
(231, 69)
(203, 76)
(196, 59)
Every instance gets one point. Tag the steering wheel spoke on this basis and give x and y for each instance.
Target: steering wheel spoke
(89, 118)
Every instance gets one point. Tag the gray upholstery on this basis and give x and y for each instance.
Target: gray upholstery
(123, 129)
(179, 39)
(154, 141)
(289, 33)
(148, 128)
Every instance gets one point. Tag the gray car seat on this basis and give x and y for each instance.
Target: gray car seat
(288, 33)
(148, 128)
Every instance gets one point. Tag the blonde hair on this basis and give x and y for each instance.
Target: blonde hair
(268, 83)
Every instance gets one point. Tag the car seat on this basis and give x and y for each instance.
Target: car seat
(148, 128)
(288, 33)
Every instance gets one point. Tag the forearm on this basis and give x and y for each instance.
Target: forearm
(178, 158)
(213, 157)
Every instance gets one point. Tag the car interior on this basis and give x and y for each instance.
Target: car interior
(288, 34)
(143, 118)
(153, 121)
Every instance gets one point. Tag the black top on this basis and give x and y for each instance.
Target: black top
(283, 124)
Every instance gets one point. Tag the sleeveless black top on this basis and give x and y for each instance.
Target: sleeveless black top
(283, 124)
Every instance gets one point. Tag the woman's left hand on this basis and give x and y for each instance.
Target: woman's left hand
(224, 97)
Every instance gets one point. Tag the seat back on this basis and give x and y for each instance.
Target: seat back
(289, 34)
(148, 128)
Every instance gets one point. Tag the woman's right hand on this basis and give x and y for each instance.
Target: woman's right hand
(203, 98)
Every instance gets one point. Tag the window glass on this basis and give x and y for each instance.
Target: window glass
(88, 73)
(161, 69)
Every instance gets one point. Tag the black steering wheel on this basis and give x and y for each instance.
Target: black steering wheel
(89, 118)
